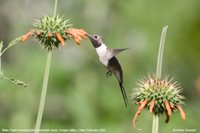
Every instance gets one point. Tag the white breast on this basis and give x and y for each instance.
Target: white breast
(102, 53)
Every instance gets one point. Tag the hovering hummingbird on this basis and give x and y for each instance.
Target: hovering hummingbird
(108, 59)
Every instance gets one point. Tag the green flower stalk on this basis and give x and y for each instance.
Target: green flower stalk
(159, 96)
(43, 93)
(1, 46)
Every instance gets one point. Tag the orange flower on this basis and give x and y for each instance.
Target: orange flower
(77, 34)
(169, 111)
(59, 37)
(39, 33)
(152, 105)
(167, 119)
(83, 33)
(49, 35)
(181, 111)
(138, 112)
(26, 36)
(138, 103)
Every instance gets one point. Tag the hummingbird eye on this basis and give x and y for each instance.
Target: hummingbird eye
(95, 36)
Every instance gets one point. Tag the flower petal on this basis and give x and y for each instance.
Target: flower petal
(26, 36)
(76, 34)
(169, 111)
(181, 111)
(152, 105)
(60, 38)
(138, 113)
(167, 117)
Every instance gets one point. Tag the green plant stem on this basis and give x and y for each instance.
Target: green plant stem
(44, 90)
(55, 8)
(1, 74)
(1, 46)
(160, 52)
(155, 125)
(0, 68)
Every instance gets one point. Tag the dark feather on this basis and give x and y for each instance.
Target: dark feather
(124, 94)
(115, 67)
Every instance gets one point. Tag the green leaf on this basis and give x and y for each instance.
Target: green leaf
(12, 43)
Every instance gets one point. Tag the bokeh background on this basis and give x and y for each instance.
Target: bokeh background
(79, 94)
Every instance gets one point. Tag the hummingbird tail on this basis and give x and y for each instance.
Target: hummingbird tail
(123, 94)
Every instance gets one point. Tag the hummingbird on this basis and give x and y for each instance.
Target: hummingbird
(108, 59)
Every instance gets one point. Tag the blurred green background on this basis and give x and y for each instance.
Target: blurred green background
(79, 94)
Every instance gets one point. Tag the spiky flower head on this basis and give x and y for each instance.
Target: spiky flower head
(159, 96)
(53, 31)
(47, 28)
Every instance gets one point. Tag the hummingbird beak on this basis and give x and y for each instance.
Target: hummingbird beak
(90, 37)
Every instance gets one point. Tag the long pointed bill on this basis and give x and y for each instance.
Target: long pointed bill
(90, 37)
(92, 40)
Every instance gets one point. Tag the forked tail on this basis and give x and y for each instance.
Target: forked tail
(123, 94)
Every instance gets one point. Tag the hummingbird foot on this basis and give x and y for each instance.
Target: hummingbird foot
(109, 73)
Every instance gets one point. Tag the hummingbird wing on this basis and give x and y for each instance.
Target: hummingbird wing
(114, 51)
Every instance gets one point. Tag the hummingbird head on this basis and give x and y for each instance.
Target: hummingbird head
(95, 40)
